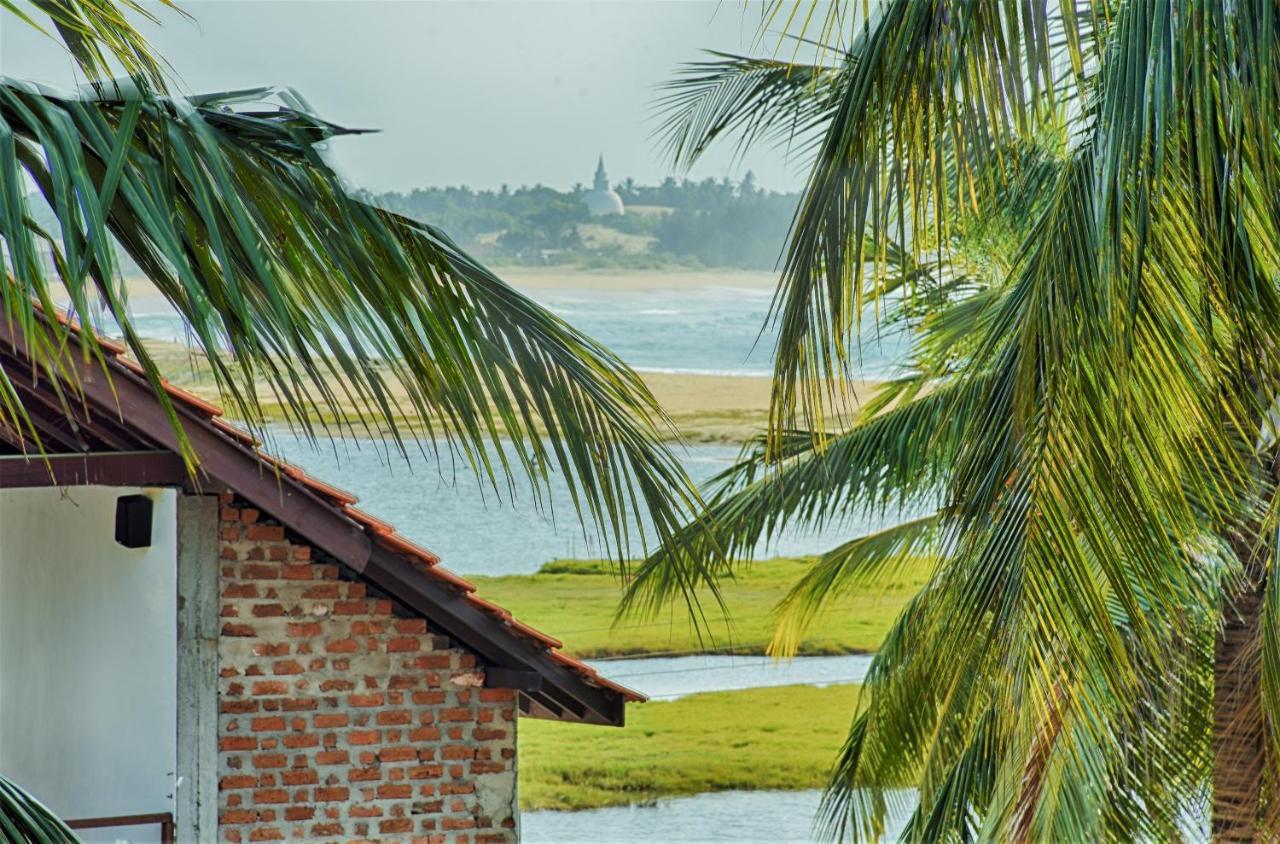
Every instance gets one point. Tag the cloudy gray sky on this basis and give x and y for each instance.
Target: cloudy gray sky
(481, 92)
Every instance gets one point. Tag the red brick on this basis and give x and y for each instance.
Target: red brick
(271, 687)
(257, 571)
(397, 754)
(433, 661)
(299, 777)
(272, 723)
(497, 695)
(456, 713)
(402, 644)
(351, 608)
(265, 533)
(238, 816)
(323, 591)
(339, 719)
(268, 610)
(395, 717)
(237, 743)
(239, 630)
(238, 781)
(411, 626)
(364, 774)
(364, 737)
(333, 757)
(270, 760)
(266, 833)
(299, 813)
(304, 629)
(342, 646)
(366, 700)
(395, 825)
(330, 795)
(271, 795)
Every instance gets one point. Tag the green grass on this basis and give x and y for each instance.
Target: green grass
(777, 738)
(576, 600)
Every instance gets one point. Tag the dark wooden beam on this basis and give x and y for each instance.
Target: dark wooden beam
(66, 425)
(134, 468)
(497, 677)
(448, 609)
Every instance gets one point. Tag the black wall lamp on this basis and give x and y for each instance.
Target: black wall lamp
(133, 521)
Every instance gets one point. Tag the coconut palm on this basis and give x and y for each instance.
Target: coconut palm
(1073, 209)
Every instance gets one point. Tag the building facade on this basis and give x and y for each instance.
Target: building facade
(241, 654)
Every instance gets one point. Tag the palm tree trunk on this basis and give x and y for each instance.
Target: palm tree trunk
(1238, 726)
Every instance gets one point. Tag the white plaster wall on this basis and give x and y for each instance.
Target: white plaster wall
(88, 641)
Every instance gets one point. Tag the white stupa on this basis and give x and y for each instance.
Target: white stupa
(601, 201)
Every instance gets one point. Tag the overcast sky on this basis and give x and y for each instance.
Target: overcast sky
(464, 91)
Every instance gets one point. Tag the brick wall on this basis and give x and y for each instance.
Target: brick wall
(342, 719)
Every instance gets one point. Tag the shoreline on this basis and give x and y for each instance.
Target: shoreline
(536, 279)
(532, 280)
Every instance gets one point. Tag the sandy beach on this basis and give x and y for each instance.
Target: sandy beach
(533, 279)
(702, 407)
(536, 279)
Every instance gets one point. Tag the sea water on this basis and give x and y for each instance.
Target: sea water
(433, 498)
(720, 330)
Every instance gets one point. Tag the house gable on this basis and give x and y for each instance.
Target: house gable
(117, 432)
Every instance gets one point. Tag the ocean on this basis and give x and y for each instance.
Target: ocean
(713, 330)
(435, 500)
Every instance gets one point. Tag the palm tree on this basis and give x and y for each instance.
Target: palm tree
(1074, 211)
(354, 318)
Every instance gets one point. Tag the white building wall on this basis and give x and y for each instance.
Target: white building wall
(88, 656)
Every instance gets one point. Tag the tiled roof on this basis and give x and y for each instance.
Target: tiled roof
(382, 533)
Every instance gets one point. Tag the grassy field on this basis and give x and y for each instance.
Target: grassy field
(777, 738)
(576, 600)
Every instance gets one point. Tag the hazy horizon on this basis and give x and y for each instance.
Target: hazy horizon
(555, 84)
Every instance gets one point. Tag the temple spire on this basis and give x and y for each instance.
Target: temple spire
(602, 178)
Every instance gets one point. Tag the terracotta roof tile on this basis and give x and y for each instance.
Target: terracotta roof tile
(399, 544)
(383, 532)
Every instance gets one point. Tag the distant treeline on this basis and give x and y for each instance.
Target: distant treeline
(711, 223)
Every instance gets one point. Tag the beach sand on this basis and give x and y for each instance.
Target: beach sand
(721, 408)
(533, 279)
(703, 408)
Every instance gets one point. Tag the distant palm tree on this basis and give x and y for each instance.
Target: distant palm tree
(1075, 209)
(354, 318)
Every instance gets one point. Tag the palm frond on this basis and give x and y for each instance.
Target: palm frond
(25, 820)
(226, 204)
(95, 32)
(757, 100)
(874, 558)
(895, 459)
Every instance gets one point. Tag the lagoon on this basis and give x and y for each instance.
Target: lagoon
(784, 817)
(437, 502)
(669, 678)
